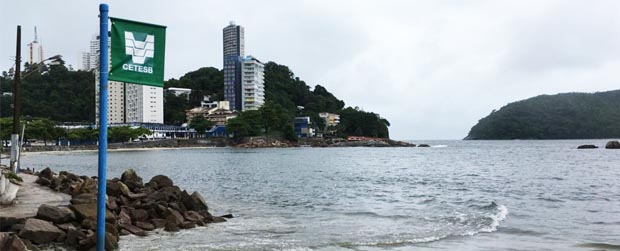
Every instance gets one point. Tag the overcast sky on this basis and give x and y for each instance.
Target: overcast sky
(432, 68)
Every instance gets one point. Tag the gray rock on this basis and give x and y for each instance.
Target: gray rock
(218, 220)
(171, 227)
(158, 223)
(174, 217)
(46, 173)
(111, 242)
(587, 147)
(146, 226)
(613, 145)
(139, 215)
(131, 179)
(85, 198)
(133, 229)
(14, 243)
(194, 202)
(161, 181)
(40, 231)
(54, 214)
(188, 225)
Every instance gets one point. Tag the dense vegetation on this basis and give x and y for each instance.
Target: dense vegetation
(206, 81)
(54, 93)
(561, 116)
(58, 94)
(287, 94)
(270, 119)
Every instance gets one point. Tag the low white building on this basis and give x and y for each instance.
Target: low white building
(179, 91)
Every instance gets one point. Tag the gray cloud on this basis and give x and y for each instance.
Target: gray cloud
(433, 68)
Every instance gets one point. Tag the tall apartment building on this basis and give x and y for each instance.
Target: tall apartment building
(233, 52)
(127, 102)
(35, 50)
(253, 92)
(90, 59)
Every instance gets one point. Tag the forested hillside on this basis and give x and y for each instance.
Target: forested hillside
(561, 116)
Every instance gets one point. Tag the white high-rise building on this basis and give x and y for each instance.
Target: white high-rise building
(35, 50)
(127, 102)
(85, 61)
(253, 83)
(144, 104)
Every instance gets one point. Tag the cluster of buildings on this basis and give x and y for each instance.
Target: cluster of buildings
(127, 102)
(244, 81)
(244, 89)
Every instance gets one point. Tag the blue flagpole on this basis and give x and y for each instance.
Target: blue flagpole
(103, 124)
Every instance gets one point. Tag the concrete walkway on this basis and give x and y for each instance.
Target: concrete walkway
(30, 196)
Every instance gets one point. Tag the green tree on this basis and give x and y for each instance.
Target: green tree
(274, 116)
(206, 81)
(239, 128)
(200, 124)
(126, 133)
(43, 129)
(175, 107)
(354, 121)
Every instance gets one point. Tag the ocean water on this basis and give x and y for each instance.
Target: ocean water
(458, 195)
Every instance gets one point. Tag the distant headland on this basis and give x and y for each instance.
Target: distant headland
(560, 116)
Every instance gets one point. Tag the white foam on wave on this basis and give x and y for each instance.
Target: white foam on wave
(396, 242)
(502, 213)
(439, 146)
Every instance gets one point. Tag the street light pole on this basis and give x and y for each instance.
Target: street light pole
(16, 101)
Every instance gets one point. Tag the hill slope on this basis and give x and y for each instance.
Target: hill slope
(561, 116)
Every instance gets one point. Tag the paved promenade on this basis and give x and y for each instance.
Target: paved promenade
(30, 196)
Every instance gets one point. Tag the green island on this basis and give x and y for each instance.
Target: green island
(560, 116)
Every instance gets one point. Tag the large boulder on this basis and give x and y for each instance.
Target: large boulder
(613, 145)
(160, 181)
(40, 231)
(111, 241)
(89, 212)
(73, 237)
(46, 173)
(14, 243)
(145, 225)
(166, 194)
(194, 202)
(133, 229)
(85, 198)
(131, 179)
(173, 216)
(171, 227)
(88, 185)
(139, 215)
(54, 214)
(114, 188)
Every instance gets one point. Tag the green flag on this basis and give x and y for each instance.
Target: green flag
(138, 52)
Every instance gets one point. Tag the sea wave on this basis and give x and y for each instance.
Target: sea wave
(490, 221)
(502, 213)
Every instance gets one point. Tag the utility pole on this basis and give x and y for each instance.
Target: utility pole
(16, 101)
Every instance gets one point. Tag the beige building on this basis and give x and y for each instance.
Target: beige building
(331, 119)
(219, 114)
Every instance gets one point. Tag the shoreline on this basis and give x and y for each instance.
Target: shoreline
(252, 142)
(59, 210)
(30, 153)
